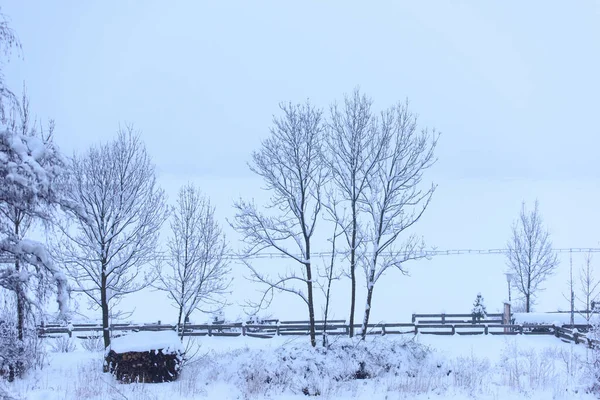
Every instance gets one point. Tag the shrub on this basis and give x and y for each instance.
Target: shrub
(93, 344)
(62, 344)
(17, 356)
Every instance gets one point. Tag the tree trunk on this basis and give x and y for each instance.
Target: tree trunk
(20, 305)
(19, 288)
(179, 327)
(353, 270)
(311, 308)
(104, 306)
(367, 311)
(528, 295)
(327, 296)
(181, 305)
(370, 287)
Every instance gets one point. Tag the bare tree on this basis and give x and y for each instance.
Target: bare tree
(393, 199)
(115, 229)
(530, 256)
(8, 42)
(197, 273)
(354, 151)
(571, 297)
(329, 271)
(291, 164)
(589, 288)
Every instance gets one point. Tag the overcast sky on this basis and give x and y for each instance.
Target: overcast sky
(513, 86)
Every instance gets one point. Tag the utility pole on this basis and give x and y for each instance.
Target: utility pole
(572, 292)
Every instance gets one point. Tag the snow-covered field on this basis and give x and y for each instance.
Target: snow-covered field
(391, 367)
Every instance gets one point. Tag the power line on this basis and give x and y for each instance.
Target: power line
(7, 259)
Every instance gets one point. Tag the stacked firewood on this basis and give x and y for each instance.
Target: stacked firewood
(152, 366)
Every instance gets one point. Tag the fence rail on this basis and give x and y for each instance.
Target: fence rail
(455, 319)
(335, 327)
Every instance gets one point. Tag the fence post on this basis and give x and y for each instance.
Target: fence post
(416, 329)
(414, 318)
(243, 329)
(209, 330)
(382, 330)
(443, 318)
(485, 329)
(453, 329)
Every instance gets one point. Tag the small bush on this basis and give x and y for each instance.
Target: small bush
(93, 344)
(471, 373)
(18, 356)
(62, 344)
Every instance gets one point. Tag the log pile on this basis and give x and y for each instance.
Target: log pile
(150, 357)
(149, 366)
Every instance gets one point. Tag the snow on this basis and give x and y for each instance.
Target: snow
(400, 367)
(557, 319)
(168, 341)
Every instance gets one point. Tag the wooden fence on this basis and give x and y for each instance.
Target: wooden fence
(336, 327)
(572, 334)
(444, 319)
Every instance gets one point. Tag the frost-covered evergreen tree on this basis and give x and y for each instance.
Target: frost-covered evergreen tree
(479, 310)
(30, 170)
(20, 221)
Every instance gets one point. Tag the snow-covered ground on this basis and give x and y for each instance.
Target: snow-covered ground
(392, 367)
(552, 318)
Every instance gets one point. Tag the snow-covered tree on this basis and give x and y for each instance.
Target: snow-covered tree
(530, 256)
(17, 353)
(30, 169)
(290, 162)
(196, 273)
(329, 273)
(354, 150)
(20, 219)
(589, 288)
(114, 232)
(8, 42)
(394, 199)
(478, 309)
